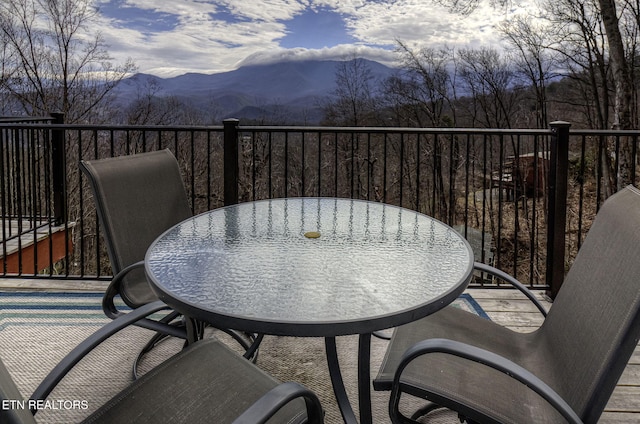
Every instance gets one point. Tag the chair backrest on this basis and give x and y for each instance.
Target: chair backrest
(594, 324)
(137, 198)
(14, 409)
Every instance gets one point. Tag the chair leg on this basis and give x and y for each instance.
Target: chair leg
(153, 342)
(252, 353)
(381, 335)
(248, 341)
(428, 408)
(195, 331)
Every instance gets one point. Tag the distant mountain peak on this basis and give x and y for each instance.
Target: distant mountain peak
(292, 84)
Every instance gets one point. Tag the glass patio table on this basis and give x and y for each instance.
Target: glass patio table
(311, 267)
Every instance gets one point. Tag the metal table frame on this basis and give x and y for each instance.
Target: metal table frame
(329, 329)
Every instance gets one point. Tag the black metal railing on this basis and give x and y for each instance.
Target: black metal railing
(524, 198)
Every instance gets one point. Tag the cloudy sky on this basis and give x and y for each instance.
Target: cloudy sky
(171, 37)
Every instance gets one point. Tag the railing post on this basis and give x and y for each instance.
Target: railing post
(557, 203)
(59, 165)
(231, 167)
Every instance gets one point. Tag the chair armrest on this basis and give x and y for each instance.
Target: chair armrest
(80, 351)
(111, 311)
(483, 357)
(271, 402)
(511, 280)
(108, 305)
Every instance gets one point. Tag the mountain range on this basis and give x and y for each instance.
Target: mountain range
(293, 89)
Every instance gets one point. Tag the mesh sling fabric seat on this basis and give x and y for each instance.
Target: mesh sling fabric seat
(204, 383)
(137, 198)
(564, 371)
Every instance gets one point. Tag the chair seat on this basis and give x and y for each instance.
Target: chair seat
(442, 377)
(205, 383)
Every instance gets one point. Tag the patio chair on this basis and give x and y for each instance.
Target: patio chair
(137, 198)
(205, 382)
(565, 371)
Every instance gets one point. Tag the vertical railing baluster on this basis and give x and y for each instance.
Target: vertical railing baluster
(384, 168)
(401, 177)
(58, 152)
(581, 173)
(453, 161)
(319, 163)
(434, 177)
(303, 162)
(467, 167)
(192, 164)
(483, 225)
(270, 150)
(418, 172)
(533, 255)
(335, 166)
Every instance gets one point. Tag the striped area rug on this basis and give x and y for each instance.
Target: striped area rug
(84, 308)
(45, 309)
(38, 328)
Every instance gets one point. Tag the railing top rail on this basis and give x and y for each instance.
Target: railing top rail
(381, 130)
(290, 129)
(106, 127)
(38, 123)
(43, 123)
(586, 132)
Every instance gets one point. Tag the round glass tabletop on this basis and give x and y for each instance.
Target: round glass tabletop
(309, 266)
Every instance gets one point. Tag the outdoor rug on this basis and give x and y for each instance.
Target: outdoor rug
(37, 329)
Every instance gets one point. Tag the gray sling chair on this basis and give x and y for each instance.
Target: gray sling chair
(565, 371)
(137, 198)
(204, 383)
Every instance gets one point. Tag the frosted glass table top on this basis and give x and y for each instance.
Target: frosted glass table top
(309, 266)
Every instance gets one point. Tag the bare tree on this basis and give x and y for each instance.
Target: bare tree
(426, 87)
(620, 68)
(353, 99)
(490, 81)
(56, 63)
(623, 91)
(581, 44)
(534, 60)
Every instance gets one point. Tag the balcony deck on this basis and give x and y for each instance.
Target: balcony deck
(33, 245)
(506, 307)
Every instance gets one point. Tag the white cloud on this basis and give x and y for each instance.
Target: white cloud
(219, 36)
(340, 52)
(421, 23)
(265, 10)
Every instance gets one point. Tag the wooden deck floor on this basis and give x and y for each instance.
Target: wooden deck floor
(506, 307)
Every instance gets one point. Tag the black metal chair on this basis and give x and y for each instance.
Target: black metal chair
(204, 383)
(137, 198)
(565, 371)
